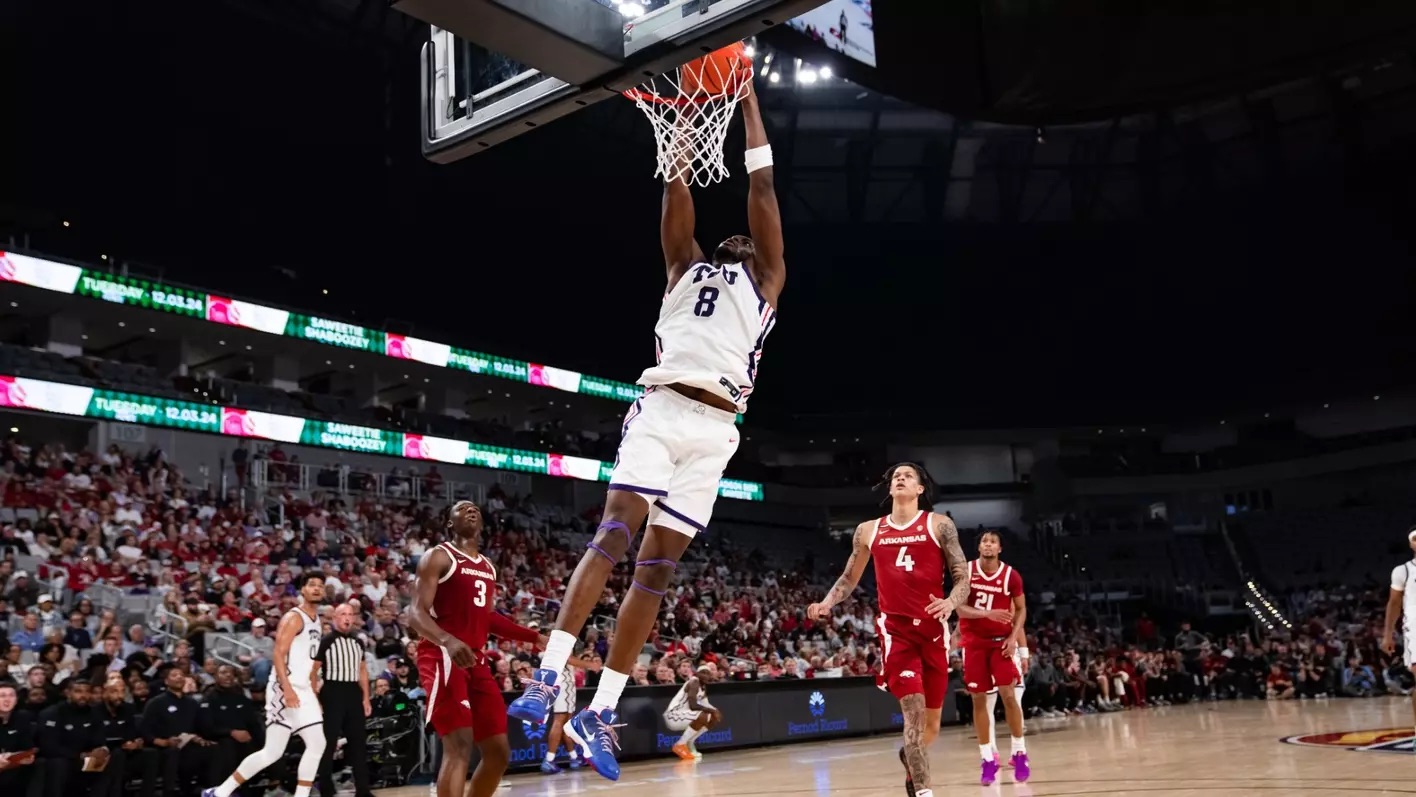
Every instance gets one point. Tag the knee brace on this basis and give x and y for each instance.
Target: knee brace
(609, 526)
(673, 567)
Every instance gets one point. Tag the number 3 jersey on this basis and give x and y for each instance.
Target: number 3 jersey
(466, 597)
(710, 332)
(909, 567)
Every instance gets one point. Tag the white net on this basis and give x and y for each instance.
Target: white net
(690, 109)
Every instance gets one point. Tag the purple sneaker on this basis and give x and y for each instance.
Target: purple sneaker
(1021, 770)
(990, 773)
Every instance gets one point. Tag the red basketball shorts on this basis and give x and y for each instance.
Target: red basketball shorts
(460, 698)
(985, 666)
(915, 656)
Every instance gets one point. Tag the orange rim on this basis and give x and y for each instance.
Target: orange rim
(649, 96)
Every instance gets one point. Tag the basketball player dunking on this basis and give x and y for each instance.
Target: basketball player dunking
(454, 611)
(991, 624)
(911, 547)
(1402, 603)
(677, 437)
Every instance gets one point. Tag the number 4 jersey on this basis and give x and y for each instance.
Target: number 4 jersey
(909, 566)
(710, 332)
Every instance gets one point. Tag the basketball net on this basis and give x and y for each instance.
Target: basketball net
(691, 120)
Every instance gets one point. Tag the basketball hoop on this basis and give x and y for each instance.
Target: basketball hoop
(690, 109)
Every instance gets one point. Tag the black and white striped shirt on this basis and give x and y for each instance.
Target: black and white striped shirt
(340, 656)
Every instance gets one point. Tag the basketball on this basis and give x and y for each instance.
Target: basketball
(717, 73)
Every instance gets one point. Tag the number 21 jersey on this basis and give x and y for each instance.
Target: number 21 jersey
(909, 567)
(986, 593)
(710, 332)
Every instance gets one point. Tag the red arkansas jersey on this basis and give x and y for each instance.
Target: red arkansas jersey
(909, 566)
(988, 592)
(466, 597)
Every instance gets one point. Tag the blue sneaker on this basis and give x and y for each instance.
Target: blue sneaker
(575, 762)
(597, 739)
(549, 767)
(534, 705)
(209, 792)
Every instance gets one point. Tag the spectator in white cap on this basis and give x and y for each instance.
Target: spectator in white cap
(260, 660)
(50, 618)
(23, 590)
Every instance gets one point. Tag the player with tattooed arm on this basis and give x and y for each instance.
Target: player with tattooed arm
(912, 548)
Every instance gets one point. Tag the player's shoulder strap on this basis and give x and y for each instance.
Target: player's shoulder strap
(929, 529)
(451, 559)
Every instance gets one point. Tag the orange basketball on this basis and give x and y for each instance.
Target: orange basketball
(717, 73)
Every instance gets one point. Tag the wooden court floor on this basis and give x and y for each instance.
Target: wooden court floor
(1336, 747)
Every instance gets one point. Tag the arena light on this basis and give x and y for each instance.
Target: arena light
(825, 72)
(806, 76)
(631, 10)
(773, 77)
(749, 51)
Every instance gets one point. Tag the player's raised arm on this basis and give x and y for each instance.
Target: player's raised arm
(764, 218)
(947, 535)
(432, 567)
(855, 568)
(676, 229)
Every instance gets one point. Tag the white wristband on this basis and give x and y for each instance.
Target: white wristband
(1022, 653)
(758, 158)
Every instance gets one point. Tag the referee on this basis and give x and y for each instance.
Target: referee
(345, 698)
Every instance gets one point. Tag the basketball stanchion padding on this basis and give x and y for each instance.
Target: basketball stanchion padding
(690, 109)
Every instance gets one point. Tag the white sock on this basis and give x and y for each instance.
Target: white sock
(984, 751)
(992, 701)
(607, 694)
(302, 791)
(550, 757)
(558, 649)
(689, 735)
(228, 788)
(1019, 746)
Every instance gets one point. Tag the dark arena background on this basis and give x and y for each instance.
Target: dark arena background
(283, 279)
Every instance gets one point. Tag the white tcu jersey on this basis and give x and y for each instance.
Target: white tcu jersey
(710, 332)
(1403, 578)
(679, 705)
(301, 660)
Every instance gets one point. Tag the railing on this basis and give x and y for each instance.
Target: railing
(218, 645)
(355, 482)
(168, 626)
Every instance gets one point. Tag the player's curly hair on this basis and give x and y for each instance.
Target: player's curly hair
(926, 498)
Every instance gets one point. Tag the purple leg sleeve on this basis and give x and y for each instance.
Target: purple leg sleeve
(646, 562)
(601, 551)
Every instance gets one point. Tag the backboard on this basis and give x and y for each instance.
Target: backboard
(480, 90)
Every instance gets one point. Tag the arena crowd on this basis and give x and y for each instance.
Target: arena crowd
(115, 569)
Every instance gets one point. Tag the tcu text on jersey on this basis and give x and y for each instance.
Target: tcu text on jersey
(710, 332)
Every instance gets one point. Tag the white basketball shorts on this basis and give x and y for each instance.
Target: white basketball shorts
(679, 720)
(565, 699)
(296, 719)
(673, 452)
(1408, 648)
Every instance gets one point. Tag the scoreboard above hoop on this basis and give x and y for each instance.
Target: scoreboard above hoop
(494, 69)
